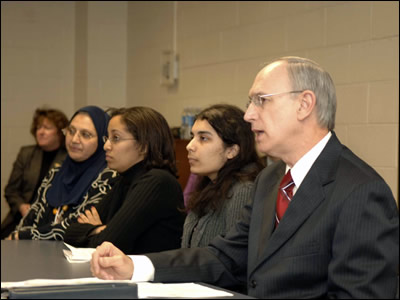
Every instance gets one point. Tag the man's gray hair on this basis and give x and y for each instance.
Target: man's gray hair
(306, 74)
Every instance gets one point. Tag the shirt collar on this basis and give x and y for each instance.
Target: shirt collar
(304, 164)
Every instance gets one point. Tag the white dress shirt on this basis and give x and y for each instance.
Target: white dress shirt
(304, 164)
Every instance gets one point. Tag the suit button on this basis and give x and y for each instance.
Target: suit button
(253, 284)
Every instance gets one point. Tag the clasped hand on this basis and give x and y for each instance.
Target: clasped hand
(108, 262)
(91, 217)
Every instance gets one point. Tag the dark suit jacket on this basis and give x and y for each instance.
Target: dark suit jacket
(338, 238)
(24, 177)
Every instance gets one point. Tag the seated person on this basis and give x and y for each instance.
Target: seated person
(337, 237)
(223, 156)
(142, 213)
(32, 164)
(82, 180)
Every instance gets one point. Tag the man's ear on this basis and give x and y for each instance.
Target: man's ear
(307, 104)
(232, 151)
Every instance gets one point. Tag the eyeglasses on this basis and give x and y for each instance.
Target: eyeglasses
(259, 100)
(114, 139)
(86, 135)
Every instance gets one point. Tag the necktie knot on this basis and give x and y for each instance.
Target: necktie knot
(286, 181)
(285, 195)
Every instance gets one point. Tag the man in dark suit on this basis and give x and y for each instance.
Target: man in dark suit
(339, 236)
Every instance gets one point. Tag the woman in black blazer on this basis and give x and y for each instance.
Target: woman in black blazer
(32, 164)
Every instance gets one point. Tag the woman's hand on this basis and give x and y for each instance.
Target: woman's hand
(90, 216)
(13, 236)
(24, 208)
(98, 230)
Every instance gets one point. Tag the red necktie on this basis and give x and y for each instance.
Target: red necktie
(285, 194)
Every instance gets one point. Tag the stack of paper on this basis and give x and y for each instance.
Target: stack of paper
(178, 290)
(145, 289)
(61, 282)
(78, 255)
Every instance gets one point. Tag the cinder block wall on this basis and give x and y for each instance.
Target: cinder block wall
(68, 54)
(222, 45)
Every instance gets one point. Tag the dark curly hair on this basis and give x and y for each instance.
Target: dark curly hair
(57, 117)
(152, 133)
(227, 120)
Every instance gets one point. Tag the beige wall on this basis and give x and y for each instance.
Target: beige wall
(37, 67)
(221, 46)
(70, 54)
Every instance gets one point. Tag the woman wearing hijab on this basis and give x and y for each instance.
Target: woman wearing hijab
(82, 180)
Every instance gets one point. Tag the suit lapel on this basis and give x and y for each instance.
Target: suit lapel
(267, 222)
(263, 210)
(35, 163)
(308, 197)
(304, 202)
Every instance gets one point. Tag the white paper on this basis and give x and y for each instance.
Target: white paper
(50, 282)
(145, 289)
(78, 255)
(178, 290)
